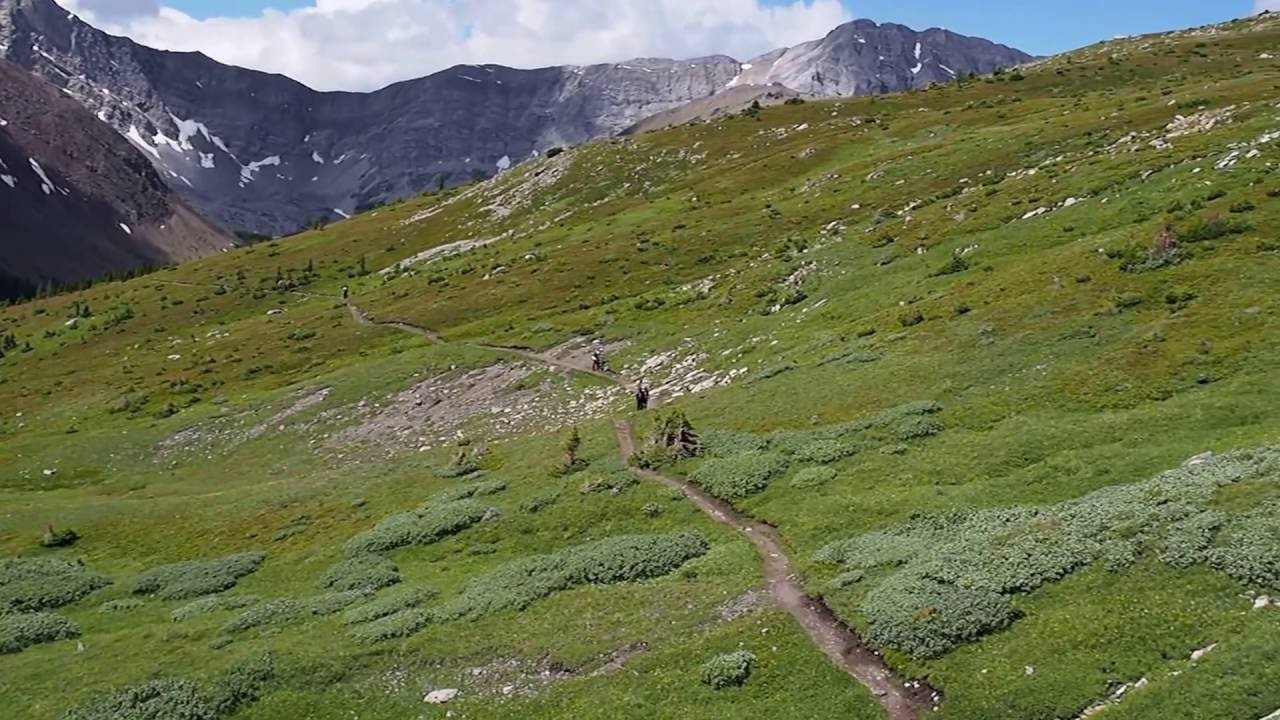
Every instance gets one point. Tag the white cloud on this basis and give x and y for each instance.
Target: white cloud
(364, 44)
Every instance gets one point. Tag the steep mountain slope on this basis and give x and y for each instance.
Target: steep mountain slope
(77, 200)
(263, 153)
(863, 58)
(975, 362)
(726, 102)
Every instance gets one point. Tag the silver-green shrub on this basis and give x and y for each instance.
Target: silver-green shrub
(480, 489)
(400, 599)
(812, 477)
(739, 476)
(212, 604)
(954, 574)
(193, 578)
(32, 584)
(728, 670)
(169, 698)
(424, 527)
(518, 584)
(19, 631)
(361, 572)
(398, 625)
(280, 611)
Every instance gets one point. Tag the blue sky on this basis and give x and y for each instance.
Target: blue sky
(1037, 27)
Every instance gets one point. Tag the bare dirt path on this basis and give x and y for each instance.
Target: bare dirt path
(900, 700)
(362, 318)
(549, 359)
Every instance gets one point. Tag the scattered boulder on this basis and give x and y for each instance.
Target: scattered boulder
(1200, 459)
(1199, 654)
(440, 697)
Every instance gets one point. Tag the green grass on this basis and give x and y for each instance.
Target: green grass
(813, 275)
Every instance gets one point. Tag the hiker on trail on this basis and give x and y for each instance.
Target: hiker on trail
(597, 360)
(346, 293)
(642, 396)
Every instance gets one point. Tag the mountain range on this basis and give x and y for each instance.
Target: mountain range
(261, 153)
(76, 201)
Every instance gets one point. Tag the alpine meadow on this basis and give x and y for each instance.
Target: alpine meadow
(961, 402)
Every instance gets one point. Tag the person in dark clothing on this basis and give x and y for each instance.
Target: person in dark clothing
(597, 361)
(346, 293)
(642, 396)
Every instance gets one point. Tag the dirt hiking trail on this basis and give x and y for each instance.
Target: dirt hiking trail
(833, 637)
(901, 700)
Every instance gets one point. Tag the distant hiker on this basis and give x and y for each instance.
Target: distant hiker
(597, 360)
(642, 396)
(346, 293)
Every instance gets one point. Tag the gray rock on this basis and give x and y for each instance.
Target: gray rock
(1200, 459)
(440, 697)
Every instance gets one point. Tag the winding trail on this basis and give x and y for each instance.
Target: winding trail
(363, 318)
(901, 700)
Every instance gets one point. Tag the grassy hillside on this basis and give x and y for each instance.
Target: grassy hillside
(955, 345)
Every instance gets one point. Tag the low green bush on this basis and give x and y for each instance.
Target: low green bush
(427, 526)
(212, 604)
(1249, 548)
(911, 318)
(193, 578)
(518, 584)
(33, 584)
(728, 670)
(169, 698)
(954, 574)
(19, 631)
(283, 611)
(457, 469)
(853, 355)
(537, 503)
(812, 477)
(612, 483)
(334, 602)
(915, 427)
(957, 264)
(361, 572)
(726, 443)
(241, 685)
(1206, 229)
(280, 611)
(401, 599)
(159, 699)
(915, 420)
(739, 476)
(401, 624)
(122, 605)
(927, 618)
(480, 489)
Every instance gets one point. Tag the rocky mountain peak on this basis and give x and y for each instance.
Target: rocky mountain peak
(262, 153)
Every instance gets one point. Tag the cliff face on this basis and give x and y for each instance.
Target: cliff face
(76, 200)
(863, 58)
(263, 153)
